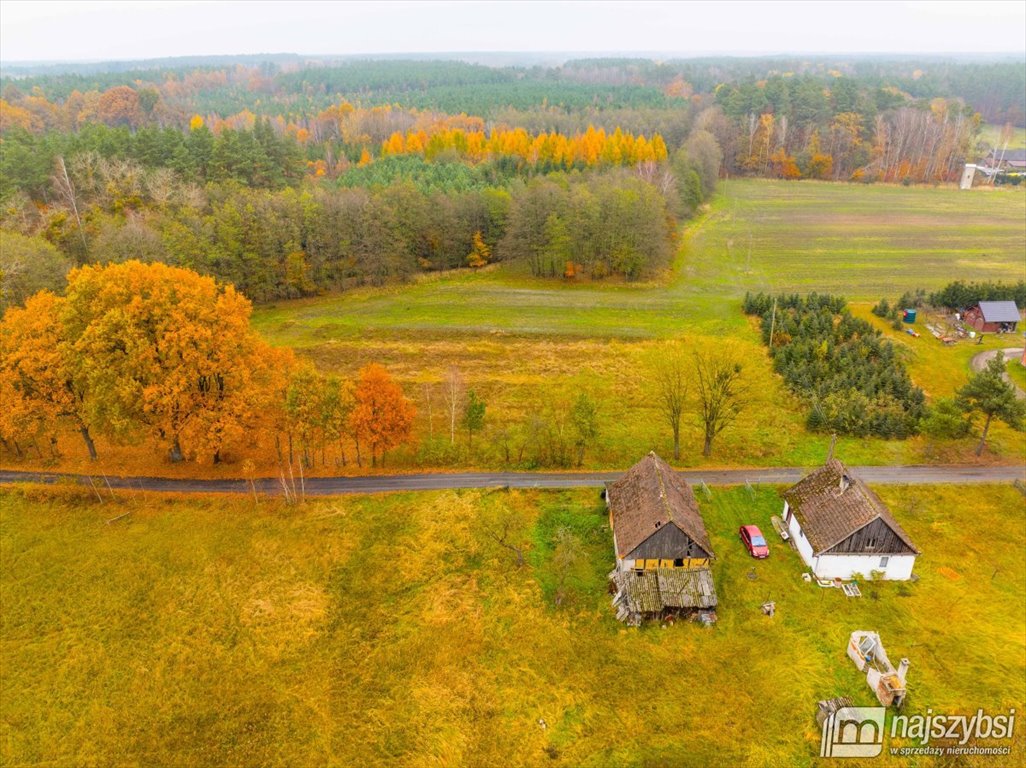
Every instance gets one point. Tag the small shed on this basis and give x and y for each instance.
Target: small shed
(993, 316)
(659, 539)
(842, 529)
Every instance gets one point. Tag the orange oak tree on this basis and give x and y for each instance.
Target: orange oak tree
(39, 388)
(382, 417)
(168, 349)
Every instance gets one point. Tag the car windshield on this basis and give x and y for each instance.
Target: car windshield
(758, 541)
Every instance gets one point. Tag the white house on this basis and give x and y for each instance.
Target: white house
(842, 529)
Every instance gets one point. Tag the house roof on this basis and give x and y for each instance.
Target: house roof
(1009, 155)
(650, 495)
(829, 511)
(999, 311)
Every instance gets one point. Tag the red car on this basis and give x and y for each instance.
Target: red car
(754, 541)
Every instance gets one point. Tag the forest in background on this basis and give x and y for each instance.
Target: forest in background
(290, 177)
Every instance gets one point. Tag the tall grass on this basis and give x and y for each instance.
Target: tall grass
(394, 630)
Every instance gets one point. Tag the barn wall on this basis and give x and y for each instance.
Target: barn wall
(667, 542)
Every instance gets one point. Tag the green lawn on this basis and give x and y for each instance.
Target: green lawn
(1017, 373)
(394, 630)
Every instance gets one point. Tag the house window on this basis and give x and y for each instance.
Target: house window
(678, 563)
(871, 542)
(883, 561)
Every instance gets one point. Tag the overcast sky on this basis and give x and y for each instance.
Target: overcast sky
(38, 30)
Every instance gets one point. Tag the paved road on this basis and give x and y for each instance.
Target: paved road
(331, 486)
(979, 362)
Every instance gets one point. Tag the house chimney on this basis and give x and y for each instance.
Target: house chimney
(844, 482)
(903, 666)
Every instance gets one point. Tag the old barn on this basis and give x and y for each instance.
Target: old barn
(661, 546)
(993, 316)
(842, 529)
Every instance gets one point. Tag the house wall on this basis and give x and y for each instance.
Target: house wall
(798, 537)
(899, 567)
(833, 566)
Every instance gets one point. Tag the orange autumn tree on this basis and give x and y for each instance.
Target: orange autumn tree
(480, 254)
(38, 387)
(382, 417)
(167, 350)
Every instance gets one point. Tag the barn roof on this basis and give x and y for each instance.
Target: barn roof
(650, 592)
(650, 495)
(1008, 155)
(999, 311)
(831, 504)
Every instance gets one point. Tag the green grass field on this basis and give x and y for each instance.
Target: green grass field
(392, 630)
(526, 343)
(992, 135)
(1017, 373)
(863, 241)
(529, 346)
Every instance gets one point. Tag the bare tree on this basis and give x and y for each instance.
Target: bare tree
(722, 393)
(66, 193)
(428, 389)
(671, 385)
(453, 394)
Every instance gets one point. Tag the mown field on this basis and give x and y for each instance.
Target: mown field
(394, 630)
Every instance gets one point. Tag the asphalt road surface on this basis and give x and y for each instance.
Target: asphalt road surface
(332, 486)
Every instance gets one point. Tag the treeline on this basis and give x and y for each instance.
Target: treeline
(956, 296)
(272, 85)
(803, 127)
(821, 118)
(854, 380)
(960, 295)
(293, 242)
(256, 156)
(136, 352)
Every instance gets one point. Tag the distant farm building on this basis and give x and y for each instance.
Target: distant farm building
(661, 546)
(1006, 160)
(842, 529)
(993, 316)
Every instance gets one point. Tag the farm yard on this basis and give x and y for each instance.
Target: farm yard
(392, 630)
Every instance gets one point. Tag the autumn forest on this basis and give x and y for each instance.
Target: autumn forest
(142, 211)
